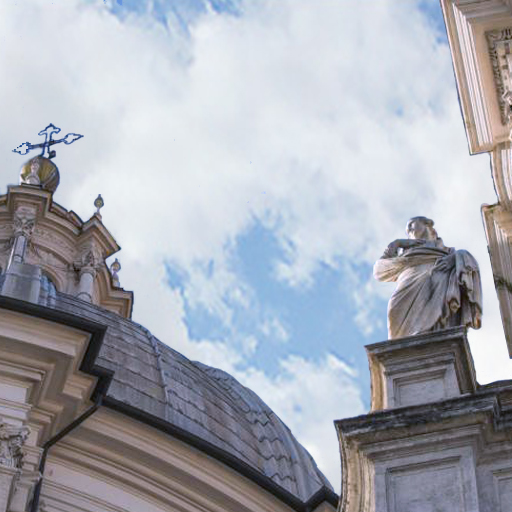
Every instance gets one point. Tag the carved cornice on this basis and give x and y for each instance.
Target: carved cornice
(467, 24)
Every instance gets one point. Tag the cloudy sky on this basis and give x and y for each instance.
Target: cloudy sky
(255, 158)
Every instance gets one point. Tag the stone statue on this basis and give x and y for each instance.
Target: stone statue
(437, 286)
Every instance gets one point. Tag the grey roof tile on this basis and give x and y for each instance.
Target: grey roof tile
(206, 402)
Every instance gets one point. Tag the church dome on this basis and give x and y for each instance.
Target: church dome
(40, 171)
(202, 406)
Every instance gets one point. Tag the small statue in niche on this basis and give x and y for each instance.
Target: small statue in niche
(437, 286)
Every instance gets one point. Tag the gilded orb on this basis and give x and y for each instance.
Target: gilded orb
(40, 171)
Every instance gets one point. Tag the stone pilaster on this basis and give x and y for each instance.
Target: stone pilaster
(22, 281)
(87, 270)
(23, 226)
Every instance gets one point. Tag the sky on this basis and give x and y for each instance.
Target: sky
(255, 158)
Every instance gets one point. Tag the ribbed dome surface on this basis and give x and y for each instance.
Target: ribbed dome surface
(204, 402)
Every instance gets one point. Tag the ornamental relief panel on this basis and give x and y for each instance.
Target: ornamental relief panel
(500, 52)
(40, 255)
(46, 238)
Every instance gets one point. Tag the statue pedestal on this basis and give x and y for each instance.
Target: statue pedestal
(421, 369)
(435, 440)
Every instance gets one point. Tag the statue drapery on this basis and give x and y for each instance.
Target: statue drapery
(437, 286)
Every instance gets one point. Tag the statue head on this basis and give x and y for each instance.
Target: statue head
(421, 228)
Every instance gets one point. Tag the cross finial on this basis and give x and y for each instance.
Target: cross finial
(48, 132)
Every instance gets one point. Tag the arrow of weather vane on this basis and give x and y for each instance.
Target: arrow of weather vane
(48, 132)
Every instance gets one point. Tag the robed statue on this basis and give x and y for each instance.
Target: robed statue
(437, 286)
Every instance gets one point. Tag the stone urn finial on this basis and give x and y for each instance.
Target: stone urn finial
(114, 269)
(98, 203)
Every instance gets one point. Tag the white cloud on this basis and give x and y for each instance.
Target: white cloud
(329, 122)
(273, 328)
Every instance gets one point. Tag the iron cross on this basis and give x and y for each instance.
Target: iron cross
(48, 132)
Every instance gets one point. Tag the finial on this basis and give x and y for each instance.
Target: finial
(99, 203)
(48, 132)
(114, 269)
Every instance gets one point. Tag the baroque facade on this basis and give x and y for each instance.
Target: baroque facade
(98, 415)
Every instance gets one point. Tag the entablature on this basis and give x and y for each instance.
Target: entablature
(478, 32)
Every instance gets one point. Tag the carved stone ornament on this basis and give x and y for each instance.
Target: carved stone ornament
(89, 260)
(57, 243)
(500, 52)
(437, 286)
(24, 221)
(11, 440)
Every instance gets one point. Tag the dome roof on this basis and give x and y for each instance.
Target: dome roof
(201, 405)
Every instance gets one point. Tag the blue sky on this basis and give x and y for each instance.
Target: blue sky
(305, 314)
(318, 314)
(255, 158)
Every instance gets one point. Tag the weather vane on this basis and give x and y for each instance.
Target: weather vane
(48, 132)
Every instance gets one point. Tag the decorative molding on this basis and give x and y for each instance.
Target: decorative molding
(57, 243)
(467, 22)
(460, 28)
(500, 53)
(499, 42)
(498, 231)
(502, 480)
(438, 481)
(501, 167)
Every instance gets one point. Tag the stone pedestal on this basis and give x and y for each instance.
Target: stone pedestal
(435, 440)
(421, 369)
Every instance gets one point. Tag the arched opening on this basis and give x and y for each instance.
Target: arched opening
(48, 292)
